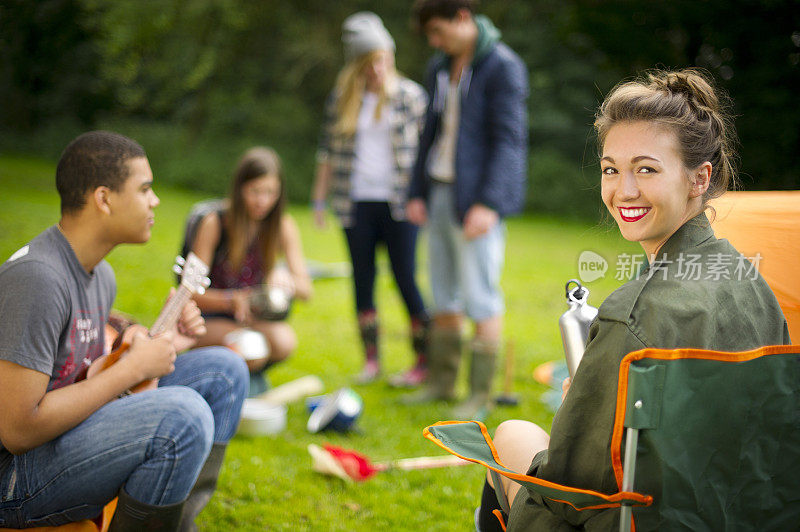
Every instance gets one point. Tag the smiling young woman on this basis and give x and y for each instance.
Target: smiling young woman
(645, 185)
(665, 150)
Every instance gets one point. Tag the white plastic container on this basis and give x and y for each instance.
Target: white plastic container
(250, 344)
(260, 418)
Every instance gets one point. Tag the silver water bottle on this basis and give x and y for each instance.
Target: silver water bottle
(574, 324)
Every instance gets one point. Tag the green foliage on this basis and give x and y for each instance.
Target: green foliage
(199, 81)
(48, 64)
(562, 187)
(267, 482)
(752, 49)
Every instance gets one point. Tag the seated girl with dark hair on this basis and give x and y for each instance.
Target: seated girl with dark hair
(241, 243)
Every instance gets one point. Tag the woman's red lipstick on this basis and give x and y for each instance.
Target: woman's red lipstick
(632, 214)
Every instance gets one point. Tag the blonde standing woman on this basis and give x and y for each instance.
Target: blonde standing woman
(367, 148)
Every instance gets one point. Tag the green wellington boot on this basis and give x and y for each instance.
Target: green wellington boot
(203, 488)
(444, 357)
(481, 373)
(134, 516)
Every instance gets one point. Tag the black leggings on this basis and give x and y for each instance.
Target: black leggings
(373, 223)
(487, 521)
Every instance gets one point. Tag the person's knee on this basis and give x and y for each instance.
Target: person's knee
(517, 442)
(283, 344)
(194, 413)
(514, 433)
(489, 330)
(225, 365)
(186, 422)
(450, 321)
(509, 431)
(180, 428)
(232, 367)
(256, 365)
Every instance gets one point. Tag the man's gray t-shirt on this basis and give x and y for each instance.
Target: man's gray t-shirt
(53, 313)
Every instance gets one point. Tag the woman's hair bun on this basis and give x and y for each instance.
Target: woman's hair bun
(692, 84)
(686, 101)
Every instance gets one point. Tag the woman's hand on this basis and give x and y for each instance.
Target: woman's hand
(240, 304)
(319, 191)
(416, 211)
(282, 278)
(565, 388)
(295, 275)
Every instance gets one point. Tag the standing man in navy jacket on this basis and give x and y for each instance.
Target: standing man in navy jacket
(470, 173)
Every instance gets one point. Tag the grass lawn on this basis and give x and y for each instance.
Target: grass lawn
(267, 482)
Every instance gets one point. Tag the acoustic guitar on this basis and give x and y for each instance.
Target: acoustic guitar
(193, 273)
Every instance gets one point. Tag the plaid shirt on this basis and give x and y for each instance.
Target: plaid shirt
(407, 104)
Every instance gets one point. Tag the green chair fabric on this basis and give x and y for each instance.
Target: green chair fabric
(471, 441)
(719, 439)
(718, 446)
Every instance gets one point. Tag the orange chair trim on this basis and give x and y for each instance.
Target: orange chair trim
(613, 500)
(673, 354)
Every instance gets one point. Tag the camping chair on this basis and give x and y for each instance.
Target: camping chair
(712, 438)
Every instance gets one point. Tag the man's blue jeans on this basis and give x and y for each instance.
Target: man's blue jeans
(152, 443)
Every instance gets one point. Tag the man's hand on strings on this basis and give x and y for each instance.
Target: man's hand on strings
(190, 326)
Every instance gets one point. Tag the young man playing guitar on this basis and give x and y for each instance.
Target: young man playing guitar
(68, 447)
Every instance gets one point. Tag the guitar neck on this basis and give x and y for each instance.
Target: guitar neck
(171, 312)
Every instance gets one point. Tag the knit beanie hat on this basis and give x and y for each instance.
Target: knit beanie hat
(364, 32)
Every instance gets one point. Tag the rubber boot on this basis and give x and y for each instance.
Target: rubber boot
(258, 384)
(418, 373)
(368, 327)
(203, 488)
(444, 357)
(481, 374)
(134, 516)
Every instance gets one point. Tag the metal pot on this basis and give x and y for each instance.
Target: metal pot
(270, 302)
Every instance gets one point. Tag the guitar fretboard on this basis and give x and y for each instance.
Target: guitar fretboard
(171, 312)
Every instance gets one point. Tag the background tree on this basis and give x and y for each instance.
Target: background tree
(199, 81)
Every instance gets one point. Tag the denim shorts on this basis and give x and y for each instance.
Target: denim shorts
(464, 274)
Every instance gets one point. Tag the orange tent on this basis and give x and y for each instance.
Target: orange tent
(767, 225)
